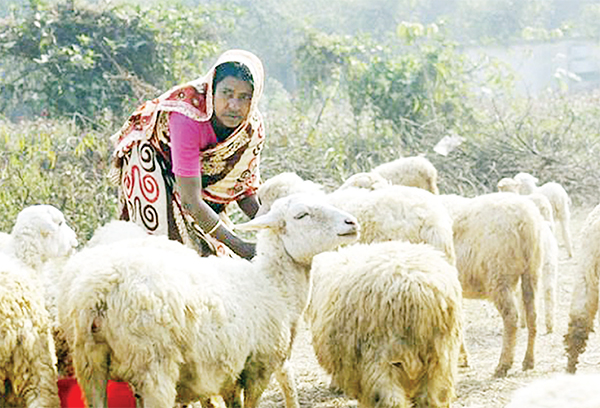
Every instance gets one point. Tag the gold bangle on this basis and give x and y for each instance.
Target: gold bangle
(214, 228)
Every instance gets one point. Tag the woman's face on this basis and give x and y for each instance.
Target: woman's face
(232, 101)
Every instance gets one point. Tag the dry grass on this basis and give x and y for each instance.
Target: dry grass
(476, 387)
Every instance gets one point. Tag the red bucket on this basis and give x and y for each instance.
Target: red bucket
(71, 396)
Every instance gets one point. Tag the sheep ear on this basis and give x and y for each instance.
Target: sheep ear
(268, 220)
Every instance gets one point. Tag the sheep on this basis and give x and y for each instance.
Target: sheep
(178, 326)
(398, 213)
(453, 203)
(114, 231)
(559, 199)
(559, 391)
(41, 240)
(40, 234)
(550, 254)
(369, 181)
(415, 171)
(497, 243)
(391, 213)
(543, 203)
(27, 356)
(27, 350)
(386, 323)
(584, 300)
(283, 185)
(549, 280)
(4, 240)
(509, 185)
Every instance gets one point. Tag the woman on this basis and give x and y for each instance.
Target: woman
(182, 157)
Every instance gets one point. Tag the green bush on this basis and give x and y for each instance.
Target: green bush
(57, 163)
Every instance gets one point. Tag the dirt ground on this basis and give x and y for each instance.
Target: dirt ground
(476, 387)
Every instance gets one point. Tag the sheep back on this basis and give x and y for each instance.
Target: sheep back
(386, 322)
(414, 171)
(398, 213)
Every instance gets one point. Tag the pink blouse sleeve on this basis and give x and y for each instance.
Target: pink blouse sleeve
(188, 138)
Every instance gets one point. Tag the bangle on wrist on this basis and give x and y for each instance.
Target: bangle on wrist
(214, 228)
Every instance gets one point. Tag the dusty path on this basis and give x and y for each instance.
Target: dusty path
(476, 387)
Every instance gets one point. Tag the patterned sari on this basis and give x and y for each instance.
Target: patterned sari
(142, 160)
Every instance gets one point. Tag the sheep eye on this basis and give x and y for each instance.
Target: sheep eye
(300, 216)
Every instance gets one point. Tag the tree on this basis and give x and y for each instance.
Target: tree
(70, 60)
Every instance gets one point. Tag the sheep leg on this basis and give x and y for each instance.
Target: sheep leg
(504, 301)
(91, 367)
(528, 289)
(254, 379)
(463, 357)
(232, 395)
(521, 308)
(549, 282)
(564, 228)
(584, 306)
(286, 381)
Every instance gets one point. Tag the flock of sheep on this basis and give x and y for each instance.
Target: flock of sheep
(377, 268)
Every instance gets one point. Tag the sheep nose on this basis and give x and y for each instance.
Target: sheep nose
(352, 223)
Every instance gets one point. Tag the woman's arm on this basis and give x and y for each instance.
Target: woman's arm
(249, 205)
(190, 190)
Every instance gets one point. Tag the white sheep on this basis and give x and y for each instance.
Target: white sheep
(27, 350)
(398, 213)
(40, 234)
(27, 355)
(389, 213)
(543, 203)
(559, 199)
(549, 278)
(4, 241)
(114, 231)
(386, 323)
(283, 185)
(559, 391)
(453, 203)
(178, 326)
(42, 240)
(415, 171)
(497, 243)
(369, 181)
(584, 300)
(508, 185)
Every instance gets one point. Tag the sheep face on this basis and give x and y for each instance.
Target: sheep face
(44, 227)
(306, 226)
(369, 181)
(508, 184)
(527, 183)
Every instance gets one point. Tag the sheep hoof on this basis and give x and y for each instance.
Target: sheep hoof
(572, 366)
(501, 371)
(463, 361)
(527, 364)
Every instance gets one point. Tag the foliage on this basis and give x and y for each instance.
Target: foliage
(55, 162)
(417, 83)
(68, 60)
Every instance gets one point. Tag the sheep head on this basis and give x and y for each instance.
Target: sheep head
(41, 233)
(527, 183)
(508, 184)
(306, 226)
(369, 181)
